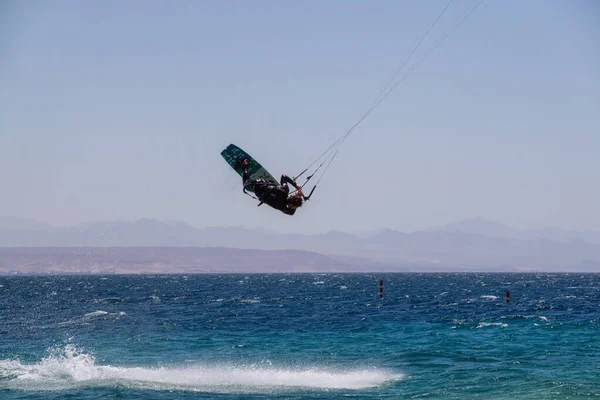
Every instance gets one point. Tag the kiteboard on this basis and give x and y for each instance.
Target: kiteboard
(234, 155)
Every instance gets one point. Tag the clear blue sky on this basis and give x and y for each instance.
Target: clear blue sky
(119, 110)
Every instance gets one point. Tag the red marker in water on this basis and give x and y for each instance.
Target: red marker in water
(381, 288)
(507, 296)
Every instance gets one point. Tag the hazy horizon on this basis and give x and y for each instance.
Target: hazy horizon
(117, 111)
(146, 246)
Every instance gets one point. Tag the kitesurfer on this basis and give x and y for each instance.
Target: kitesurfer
(277, 196)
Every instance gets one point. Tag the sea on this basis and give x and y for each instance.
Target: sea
(300, 336)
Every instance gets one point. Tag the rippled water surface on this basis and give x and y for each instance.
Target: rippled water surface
(300, 336)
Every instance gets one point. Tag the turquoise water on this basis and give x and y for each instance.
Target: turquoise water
(300, 336)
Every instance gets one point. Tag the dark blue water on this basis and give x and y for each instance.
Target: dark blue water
(300, 336)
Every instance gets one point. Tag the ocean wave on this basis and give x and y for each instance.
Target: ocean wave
(71, 368)
(91, 316)
(155, 299)
(489, 297)
(250, 301)
(485, 324)
(106, 300)
(97, 313)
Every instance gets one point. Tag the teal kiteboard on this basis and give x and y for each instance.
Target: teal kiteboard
(234, 155)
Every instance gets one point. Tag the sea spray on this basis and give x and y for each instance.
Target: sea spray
(69, 367)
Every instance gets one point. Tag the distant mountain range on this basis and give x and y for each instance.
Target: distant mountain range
(470, 245)
(481, 226)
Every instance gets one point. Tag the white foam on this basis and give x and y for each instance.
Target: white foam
(484, 324)
(155, 298)
(118, 315)
(250, 301)
(70, 368)
(97, 313)
(489, 297)
(86, 318)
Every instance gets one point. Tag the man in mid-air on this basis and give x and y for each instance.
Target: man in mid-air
(277, 196)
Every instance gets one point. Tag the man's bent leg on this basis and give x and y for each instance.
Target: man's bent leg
(286, 179)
